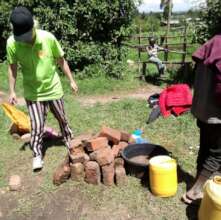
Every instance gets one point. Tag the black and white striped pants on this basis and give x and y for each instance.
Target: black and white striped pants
(38, 112)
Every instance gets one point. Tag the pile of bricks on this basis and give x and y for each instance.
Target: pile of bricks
(97, 159)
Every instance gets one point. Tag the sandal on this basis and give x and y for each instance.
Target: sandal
(190, 201)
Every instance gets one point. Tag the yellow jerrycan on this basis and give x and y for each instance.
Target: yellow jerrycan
(163, 176)
(210, 207)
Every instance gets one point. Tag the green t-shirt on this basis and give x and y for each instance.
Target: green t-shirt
(41, 81)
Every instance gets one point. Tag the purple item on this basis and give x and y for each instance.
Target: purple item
(210, 53)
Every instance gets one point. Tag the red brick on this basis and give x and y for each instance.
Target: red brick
(103, 156)
(112, 135)
(77, 172)
(115, 150)
(122, 145)
(75, 143)
(120, 175)
(15, 183)
(61, 174)
(119, 162)
(63, 171)
(77, 150)
(79, 158)
(92, 173)
(125, 136)
(97, 143)
(108, 174)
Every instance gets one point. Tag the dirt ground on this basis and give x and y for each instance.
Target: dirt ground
(142, 93)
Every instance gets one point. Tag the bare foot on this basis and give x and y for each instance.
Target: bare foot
(192, 197)
(195, 194)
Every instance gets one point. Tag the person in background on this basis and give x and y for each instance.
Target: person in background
(38, 53)
(206, 107)
(152, 51)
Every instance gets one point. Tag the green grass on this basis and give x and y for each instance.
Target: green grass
(178, 135)
(97, 85)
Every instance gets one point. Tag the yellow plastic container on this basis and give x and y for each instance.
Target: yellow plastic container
(163, 176)
(210, 207)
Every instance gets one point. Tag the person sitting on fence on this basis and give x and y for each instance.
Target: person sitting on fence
(152, 51)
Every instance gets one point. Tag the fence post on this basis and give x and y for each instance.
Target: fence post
(184, 44)
(139, 54)
(166, 51)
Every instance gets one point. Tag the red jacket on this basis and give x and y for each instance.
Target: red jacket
(175, 99)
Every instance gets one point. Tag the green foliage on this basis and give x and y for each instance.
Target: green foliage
(147, 22)
(88, 30)
(210, 23)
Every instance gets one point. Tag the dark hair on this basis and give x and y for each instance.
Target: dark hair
(152, 39)
(22, 20)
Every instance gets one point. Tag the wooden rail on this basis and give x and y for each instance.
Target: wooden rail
(144, 65)
(161, 36)
(165, 44)
(145, 45)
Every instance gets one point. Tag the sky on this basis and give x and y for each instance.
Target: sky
(178, 5)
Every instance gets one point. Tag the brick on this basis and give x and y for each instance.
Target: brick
(116, 149)
(119, 162)
(79, 158)
(108, 174)
(75, 143)
(97, 143)
(79, 141)
(103, 156)
(92, 173)
(125, 136)
(77, 150)
(111, 134)
(77, 172)
(120, 176)
(15, 183)
(62, 174)
(122, 145)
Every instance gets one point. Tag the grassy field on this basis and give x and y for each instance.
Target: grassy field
(40, 199)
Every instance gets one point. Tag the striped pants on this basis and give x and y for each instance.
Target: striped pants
(38, 112)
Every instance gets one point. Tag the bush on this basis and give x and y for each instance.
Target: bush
(85, 28)
(210, 23)
(148, 23)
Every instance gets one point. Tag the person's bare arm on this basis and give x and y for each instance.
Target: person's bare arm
(12, 75)
(65, 68)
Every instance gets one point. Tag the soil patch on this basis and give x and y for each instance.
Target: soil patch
(142, 94)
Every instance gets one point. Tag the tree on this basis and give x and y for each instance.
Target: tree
(89, 30)
(210, 21)
(165, 5)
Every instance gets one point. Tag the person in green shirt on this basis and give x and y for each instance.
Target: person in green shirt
(38, 53)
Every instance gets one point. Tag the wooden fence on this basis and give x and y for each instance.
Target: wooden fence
(163, 41)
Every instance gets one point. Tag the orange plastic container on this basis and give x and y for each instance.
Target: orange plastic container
(210, 207)
(163, 176)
